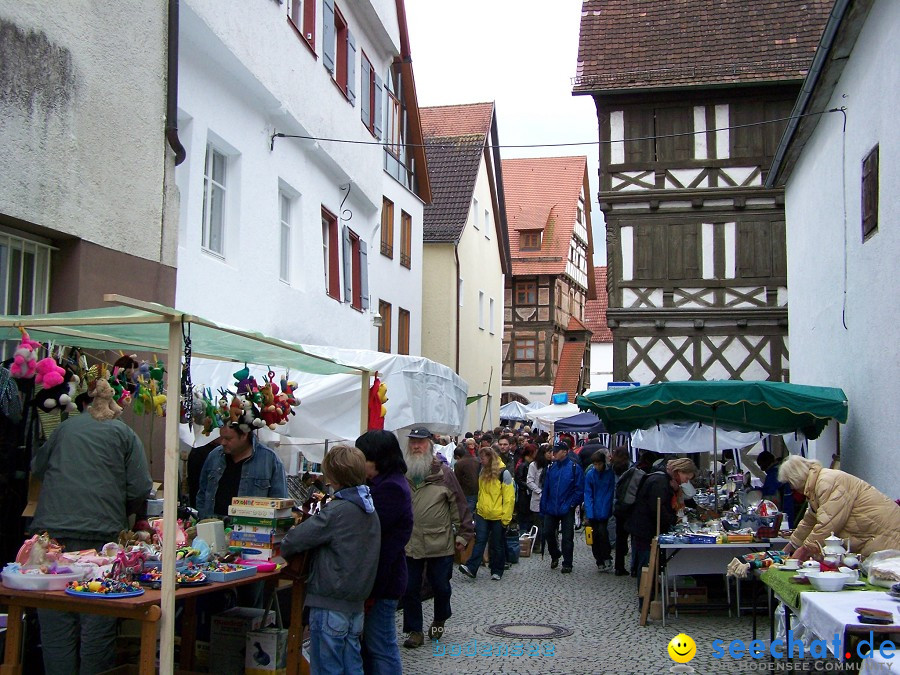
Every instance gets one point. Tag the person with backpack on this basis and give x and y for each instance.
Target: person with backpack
(620, 464)
(599, 490)
(523, 494)
(537, 470)
(666, 489)
(563, 491)
(494, 511)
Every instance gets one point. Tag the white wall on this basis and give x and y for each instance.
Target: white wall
(601, 365)
(82, 119)
(245, 74)
(844, 294)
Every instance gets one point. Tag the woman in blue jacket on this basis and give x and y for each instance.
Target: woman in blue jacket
(599, 491)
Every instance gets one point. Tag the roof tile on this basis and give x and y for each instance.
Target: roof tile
(646, 44)
(595, 310)
(568, 371)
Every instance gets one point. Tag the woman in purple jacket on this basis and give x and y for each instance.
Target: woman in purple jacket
(393, 503)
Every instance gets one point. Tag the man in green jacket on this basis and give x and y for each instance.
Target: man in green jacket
(442, 524)
(94, 475)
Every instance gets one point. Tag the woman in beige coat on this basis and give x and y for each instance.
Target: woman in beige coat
(842, 504)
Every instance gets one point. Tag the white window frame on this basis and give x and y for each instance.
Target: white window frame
(481, 310)
(491, 316)
(475, 213)
(208, 186)
(487, 224)
(285, 234)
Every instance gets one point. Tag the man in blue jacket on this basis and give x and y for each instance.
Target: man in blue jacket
(563, 491)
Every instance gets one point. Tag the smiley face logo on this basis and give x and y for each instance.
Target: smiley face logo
(682, 648)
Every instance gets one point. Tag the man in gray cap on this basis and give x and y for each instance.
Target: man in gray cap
(442, 523)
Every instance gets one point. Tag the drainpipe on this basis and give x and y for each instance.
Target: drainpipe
(456, 255)
(172, 86)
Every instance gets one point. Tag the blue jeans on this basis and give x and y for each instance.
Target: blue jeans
(334, 641)
(488, 530)
(551, 527)
(472, 501)
(60, 633)
(439, 571)
(381, 655)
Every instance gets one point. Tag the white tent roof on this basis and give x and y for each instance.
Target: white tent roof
(546, 416)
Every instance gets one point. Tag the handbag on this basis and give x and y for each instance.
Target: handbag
(462, 556)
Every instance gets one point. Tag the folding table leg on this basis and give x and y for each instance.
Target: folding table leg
(12, 662)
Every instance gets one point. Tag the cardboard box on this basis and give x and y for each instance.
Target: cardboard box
(266, 652)
(689, 596)
(228, 638)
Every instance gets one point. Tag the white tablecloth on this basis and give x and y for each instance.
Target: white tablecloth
(827, 614)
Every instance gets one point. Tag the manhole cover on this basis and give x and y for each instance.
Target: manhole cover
(542, 631)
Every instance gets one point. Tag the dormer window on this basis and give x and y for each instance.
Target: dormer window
(530, 240)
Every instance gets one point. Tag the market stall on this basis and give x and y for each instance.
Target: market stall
(135, 325)
(546, 417)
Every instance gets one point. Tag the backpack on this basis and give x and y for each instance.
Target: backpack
(627, 487)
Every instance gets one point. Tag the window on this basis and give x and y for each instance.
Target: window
(526, 293)
(24, 275)
(870, 194)
(402, 331)
(302, 16)
(371, 97)
(395, 126)
(339, 53)
(405, 239)
(397, 157)
(475, 213)
(530, 240)
(214, 171)
(524, 349)
(356, 278)
(481, 310)
(387, 228)
(491, 316)
(330, 255)
(284, 258)
(384, 332)
(579, 214)
(487, 224)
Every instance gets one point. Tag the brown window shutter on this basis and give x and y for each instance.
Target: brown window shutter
(870, 193)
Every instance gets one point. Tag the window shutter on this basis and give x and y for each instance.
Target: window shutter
(364, 273)
(365, 94)
(351, 67)
(328, 39)
(348, 265)
(378, 113)
(691, 245)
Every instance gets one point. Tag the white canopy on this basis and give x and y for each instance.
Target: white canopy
(513, 411)
(677, 438)
(546, 416)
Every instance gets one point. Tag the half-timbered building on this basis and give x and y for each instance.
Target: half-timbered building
(692, 97)
(546, 346)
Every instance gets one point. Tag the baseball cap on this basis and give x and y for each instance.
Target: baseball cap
(419, 432)
(559, 445)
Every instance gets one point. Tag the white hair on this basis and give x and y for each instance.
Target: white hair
(795, 470)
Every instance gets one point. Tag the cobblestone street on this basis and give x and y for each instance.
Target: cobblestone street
(600, 609)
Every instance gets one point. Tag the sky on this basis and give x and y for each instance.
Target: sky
(522, 56)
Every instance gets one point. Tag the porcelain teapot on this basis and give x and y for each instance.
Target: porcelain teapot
(851, 560)
(833, 548)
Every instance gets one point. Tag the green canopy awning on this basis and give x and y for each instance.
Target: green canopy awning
(769, 407)
(146, 329)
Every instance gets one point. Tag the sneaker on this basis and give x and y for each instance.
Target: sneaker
(566, 570)
(415, 639)
(602, 567)
(495, 577)
(465, 571)
(436, 631)
(554, 563)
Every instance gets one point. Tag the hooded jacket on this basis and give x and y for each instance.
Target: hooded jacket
(850, 508)
(346, 538)
(393, 504)
(599, 491)
(497, 497)
(563, 487)
(441, 515)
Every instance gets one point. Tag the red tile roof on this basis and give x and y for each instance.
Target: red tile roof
(455, 137)
(542, 194)
(595, 310)
(575, 324)
(648, 44)
(568, 372)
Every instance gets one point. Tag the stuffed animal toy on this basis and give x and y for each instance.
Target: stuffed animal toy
(25, 358)
(157, 400)
(104, 406)
(39, 550)
(48, 373)
(61, 397)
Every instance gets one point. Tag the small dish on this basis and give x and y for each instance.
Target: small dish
(855, 584)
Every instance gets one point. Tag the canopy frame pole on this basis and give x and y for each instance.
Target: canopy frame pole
(170, 498)
(364, 377)
(715, 457)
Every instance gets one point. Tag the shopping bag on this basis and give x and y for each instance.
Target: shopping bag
(589, 535)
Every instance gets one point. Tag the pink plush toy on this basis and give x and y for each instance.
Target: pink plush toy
(25, 359)
(48, 373)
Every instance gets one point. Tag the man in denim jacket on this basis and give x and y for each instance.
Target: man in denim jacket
(240, 467)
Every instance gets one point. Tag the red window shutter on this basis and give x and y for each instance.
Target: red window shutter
(334, 274)
(309, 22)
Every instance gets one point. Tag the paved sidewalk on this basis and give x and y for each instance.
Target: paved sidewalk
(600, 609)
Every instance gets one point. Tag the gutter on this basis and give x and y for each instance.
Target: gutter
(172, 86)
(808, 87)
(456, 255)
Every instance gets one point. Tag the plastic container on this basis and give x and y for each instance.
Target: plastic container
(701, 539)
(157, 564)
(244, 571)
(42, 582)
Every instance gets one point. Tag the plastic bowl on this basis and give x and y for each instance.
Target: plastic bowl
(828, 581)
(43, 582)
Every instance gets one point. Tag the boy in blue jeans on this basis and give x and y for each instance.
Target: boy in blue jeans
(345, 537)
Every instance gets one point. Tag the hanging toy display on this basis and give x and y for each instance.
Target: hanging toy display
(377, 408)
(250, 406)
(25, 358)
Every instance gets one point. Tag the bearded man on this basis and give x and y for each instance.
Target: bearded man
(442, 523)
